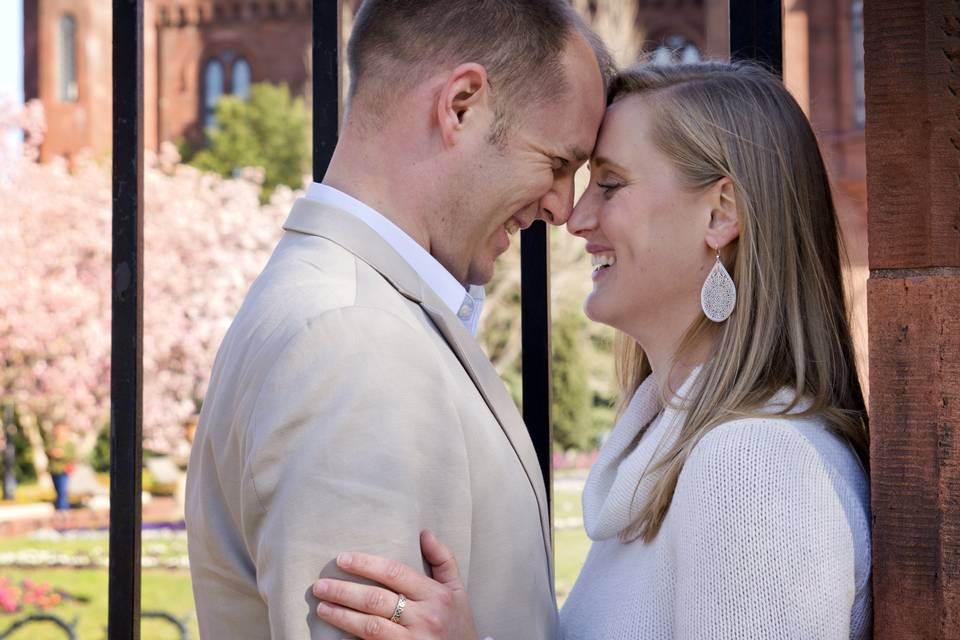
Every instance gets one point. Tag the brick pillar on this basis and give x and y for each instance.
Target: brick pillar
(796, 52)
(913, 183)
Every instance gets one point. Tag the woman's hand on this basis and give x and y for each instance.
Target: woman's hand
(434, 609)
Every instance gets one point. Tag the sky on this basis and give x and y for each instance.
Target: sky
(11, 54)
(11, 49)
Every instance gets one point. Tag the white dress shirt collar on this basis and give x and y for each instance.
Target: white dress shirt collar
(465, 304)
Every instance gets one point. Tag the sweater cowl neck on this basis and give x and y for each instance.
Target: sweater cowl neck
(619, 483)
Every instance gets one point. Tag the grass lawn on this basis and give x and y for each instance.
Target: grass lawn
(168, 591)
(570, 541)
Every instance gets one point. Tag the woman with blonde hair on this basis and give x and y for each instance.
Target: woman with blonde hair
(731, 498)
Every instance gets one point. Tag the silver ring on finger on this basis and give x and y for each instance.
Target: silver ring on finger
(401, 605)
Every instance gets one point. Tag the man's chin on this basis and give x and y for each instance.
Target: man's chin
(480, 274)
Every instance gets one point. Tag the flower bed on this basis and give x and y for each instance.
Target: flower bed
(27, 595)
(161, 549)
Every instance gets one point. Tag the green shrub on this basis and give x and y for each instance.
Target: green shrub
(271, 130)
(574, 426)
(23, 468)
(185, 149)
(100, 456)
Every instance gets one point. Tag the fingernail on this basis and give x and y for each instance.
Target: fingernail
(344, 559)
(324, 609)
(319, 588)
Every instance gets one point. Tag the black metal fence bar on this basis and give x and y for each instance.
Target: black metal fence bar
(326, 83)
(756, 32)
(126, 364)
(535, 343)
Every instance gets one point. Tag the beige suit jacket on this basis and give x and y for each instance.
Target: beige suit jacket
(347, 410)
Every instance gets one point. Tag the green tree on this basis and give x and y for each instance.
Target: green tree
(573, 424)
(23, 469)
(271, 130)
(100, 456)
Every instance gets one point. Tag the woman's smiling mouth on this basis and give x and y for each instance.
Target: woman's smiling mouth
(602, 261)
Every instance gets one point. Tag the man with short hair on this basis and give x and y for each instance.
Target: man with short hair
(350, 406)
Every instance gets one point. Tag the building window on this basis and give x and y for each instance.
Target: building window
(859, 94)
(212, 91)
(674, 50)
(240, 79)
(68, 59)
(216, 83)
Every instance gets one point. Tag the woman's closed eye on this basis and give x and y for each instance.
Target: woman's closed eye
(609, 188)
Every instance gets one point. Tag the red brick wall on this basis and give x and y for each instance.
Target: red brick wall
(179, 35)
(830, 92)
(71, 125)
(274, 41)
(913, 161)
(657, 20)
(274, 36)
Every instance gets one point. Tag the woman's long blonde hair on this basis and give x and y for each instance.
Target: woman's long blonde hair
(790, 328)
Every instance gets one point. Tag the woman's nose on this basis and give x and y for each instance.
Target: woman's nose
(583, 219)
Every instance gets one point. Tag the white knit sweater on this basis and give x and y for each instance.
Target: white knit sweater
(767, 536)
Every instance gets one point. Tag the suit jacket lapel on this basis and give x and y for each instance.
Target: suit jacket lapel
(488, 382)
(356, 237)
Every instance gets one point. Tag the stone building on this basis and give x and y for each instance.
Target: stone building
(195, 51)
(198, 50)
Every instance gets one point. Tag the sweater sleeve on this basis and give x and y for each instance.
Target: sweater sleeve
(765, 547)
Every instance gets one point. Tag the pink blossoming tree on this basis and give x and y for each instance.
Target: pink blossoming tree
(205, 238)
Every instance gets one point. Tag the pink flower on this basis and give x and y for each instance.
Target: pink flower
(205, 240)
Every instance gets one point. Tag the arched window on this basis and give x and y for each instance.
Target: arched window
(240, 79)
(68, 58)
(212, 91)
(662, 55)
(690, 54)
(216, 82)
(676, 49)
(859, 95)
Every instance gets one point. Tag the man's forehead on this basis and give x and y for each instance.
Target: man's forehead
(576, 153)
(579, 134)
(564, 135)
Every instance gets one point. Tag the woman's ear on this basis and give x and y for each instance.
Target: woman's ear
(464, 93)
(724, 225)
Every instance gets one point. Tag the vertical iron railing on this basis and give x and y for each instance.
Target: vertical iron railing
(535, 344)
(126, 354)
(756, 32)
(326, 83)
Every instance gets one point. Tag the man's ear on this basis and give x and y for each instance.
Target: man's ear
(724, 225)
(460, 99)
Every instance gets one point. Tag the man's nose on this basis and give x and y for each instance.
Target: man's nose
(557, 205)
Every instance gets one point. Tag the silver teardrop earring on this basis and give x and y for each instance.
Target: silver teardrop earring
(718, 296)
